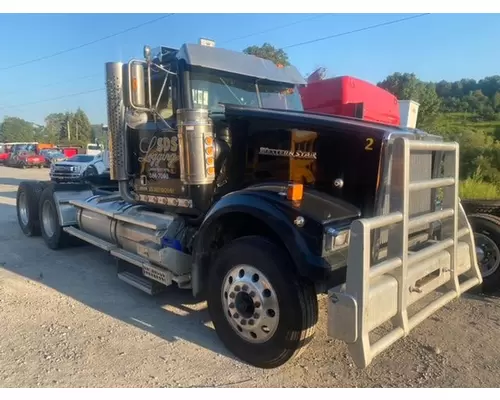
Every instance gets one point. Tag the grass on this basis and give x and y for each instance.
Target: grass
(472, 188)
(466, 120)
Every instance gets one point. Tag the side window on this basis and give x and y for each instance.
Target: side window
(200, 98)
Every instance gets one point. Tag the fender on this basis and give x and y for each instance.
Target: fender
(265, 204)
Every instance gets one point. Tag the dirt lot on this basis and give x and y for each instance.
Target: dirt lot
(66, 320)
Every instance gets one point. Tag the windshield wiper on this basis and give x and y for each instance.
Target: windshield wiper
(230, 91)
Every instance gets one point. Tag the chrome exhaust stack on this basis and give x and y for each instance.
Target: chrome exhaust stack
(117, 128)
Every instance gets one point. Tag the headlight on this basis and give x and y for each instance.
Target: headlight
(335, 239)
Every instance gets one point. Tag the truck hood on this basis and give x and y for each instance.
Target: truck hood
(308, 118)
(72, 164)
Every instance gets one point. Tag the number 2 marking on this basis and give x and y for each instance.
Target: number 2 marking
(369, 144)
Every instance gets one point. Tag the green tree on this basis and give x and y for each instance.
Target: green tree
(15, 129)
(269, 52)
(53, 127)
(406, 86)
(81, 129)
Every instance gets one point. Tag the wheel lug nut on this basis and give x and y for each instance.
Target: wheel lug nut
(256, 315)
(252, 294)
(231, 305)
(237, 288)
(236, 315)
(251, 322)
(245, 288)
(232, 295)
(256, 304)
(243, 322)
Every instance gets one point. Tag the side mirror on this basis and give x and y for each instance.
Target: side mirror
(135, 85)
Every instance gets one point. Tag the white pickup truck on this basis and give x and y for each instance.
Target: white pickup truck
(80, 166)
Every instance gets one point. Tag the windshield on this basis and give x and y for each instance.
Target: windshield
(209, 88)
(81, 158)
(54, 154)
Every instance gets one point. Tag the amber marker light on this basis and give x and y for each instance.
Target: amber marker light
(295, 191)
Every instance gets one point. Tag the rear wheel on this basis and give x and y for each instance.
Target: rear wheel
(261, 311)
(28, 195)
(50, 226)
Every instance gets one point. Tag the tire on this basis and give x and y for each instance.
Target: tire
(50, 226)
(491, 207)
(486, 230)
(27, 199)
(291, 303)
(90, 171)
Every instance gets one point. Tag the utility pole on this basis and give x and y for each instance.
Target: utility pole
(76, 130)
(69, 133)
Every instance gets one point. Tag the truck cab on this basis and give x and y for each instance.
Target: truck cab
(228, 188)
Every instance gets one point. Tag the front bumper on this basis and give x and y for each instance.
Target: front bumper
(31, 163)
(438, 270)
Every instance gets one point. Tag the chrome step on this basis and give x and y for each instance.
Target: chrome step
(130, 257)
(149, 270)
(89, 238)
(144, 284)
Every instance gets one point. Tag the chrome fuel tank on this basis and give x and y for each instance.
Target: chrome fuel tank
(121, 223)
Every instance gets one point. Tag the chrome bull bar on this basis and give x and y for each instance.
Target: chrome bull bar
(379, 291)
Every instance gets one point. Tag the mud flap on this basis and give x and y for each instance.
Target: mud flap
(434, 273)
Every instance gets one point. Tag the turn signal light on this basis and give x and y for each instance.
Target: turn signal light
(209, 141)
(295, 191)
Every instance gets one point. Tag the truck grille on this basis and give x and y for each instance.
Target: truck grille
(64, 172)
(421, 169)
(63, 168)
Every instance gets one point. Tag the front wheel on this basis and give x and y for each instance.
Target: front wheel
(90, 171)
(261, 311)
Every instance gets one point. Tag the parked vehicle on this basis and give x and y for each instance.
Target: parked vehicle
(25, 159)
(70, 151)
(51, 156)
(351, 97)
(195, 206)
(93, 149)
(13, 147)
(77, 168)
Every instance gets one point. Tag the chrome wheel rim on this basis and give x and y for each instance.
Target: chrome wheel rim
(488, 254)
(48, 219)
(250, 304)
(23, 209)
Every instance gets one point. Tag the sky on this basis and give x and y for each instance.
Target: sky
(434, 47)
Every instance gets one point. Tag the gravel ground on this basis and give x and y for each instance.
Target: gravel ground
(67, 321)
